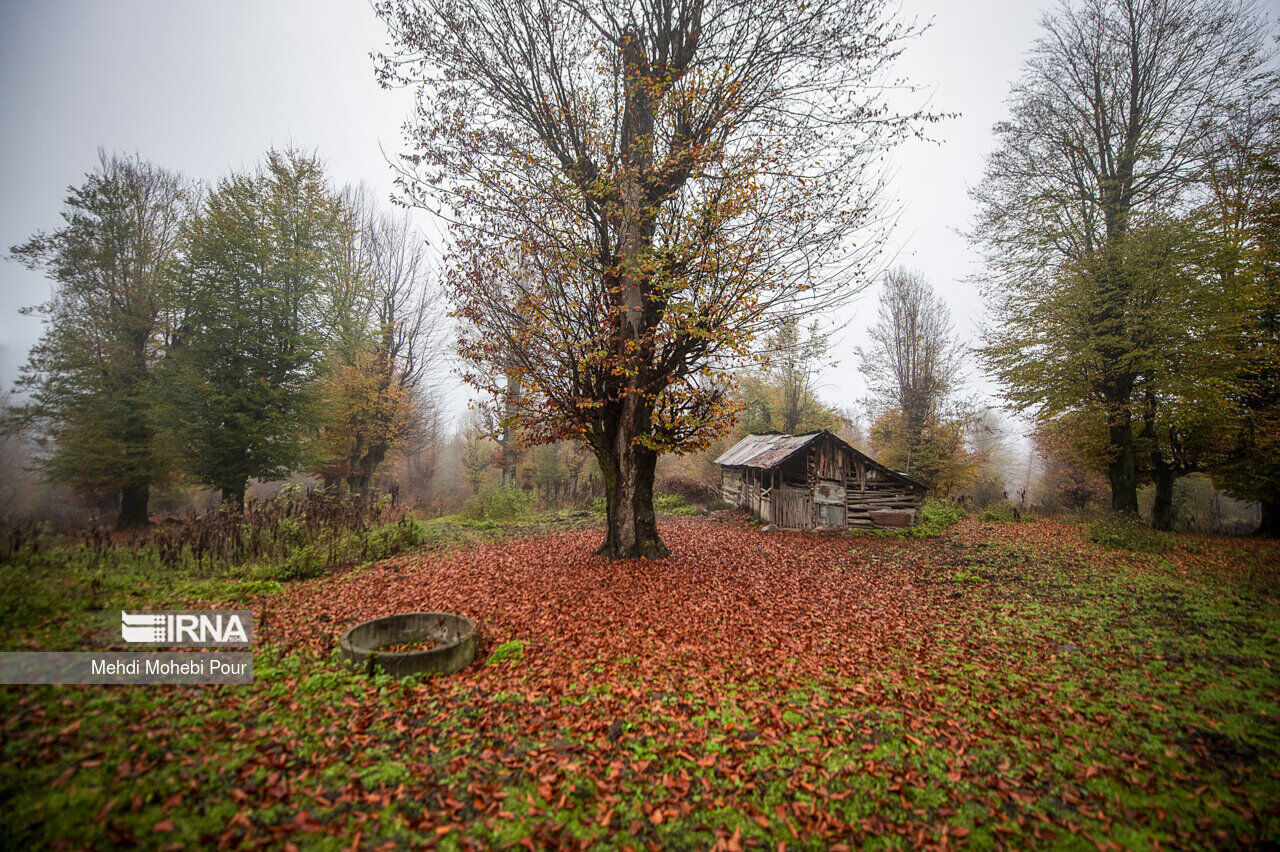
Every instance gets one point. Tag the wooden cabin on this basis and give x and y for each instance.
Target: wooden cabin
(800, 482)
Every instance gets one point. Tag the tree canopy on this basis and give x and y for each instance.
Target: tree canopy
(1112, 129)
(252, 341)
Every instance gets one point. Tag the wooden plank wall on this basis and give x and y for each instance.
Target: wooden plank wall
(869, 490)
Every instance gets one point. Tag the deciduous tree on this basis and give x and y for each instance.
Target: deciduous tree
(390, 340)
(1245, 207)
(640, 189)
(912, 367)
(91, 378)
(253, 337)
(1110, 126)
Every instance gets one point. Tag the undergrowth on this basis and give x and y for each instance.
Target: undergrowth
(936, 516)
(1123, 533)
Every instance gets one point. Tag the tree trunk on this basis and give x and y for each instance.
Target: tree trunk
(1162, 471)
(1162, 509)
(628, 470)
(632, 531)
(133, 507)
(233, 498)
(1122, 469)
(360, 480)
(1270, 526)
(627, 466)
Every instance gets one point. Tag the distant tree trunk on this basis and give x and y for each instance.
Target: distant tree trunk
(511, 410)
(359, 481)
(1162, 509)
(133, 506)
(136, 430)
(1163, 471)
(233, 497)
(1122, 468)
(1270, 526)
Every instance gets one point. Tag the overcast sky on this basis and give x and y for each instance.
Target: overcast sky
(207, 87)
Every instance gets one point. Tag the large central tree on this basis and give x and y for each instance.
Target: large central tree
(640, 189)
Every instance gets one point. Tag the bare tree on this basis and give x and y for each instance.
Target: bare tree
(796, 356)
(390, 340)
(678, 177)
(915, 361)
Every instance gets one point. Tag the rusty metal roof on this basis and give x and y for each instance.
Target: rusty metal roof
(764, 451)
(769, 450)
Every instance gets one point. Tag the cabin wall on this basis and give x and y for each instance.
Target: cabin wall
(870, 490)
(750, 489)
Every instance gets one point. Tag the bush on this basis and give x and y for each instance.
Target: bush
(674, 504)
(1003, 512)
(1122, 533)
(293, 537)
(937, 515)
(499, 502)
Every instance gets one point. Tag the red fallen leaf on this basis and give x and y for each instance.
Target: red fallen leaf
(762, 821)
(64, 777)
(163, 825)
(958, 831)
(105, 809)
(171, 802)
(656, 816)
(72, 728)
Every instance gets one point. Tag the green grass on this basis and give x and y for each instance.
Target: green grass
(507, 652)
(663, 504)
